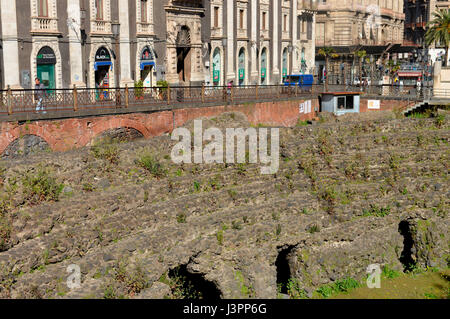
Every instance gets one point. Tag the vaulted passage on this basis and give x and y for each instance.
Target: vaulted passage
(121, 134)
(406, 257)
(186, 285)
(25, 145)
(283, 269)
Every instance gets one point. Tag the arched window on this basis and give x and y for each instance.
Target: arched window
(285, 63)
(216, 66)
(241, 66)
(264, 66)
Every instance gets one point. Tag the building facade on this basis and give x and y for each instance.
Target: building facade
(417, 14)
(110, 43)
(348, 26)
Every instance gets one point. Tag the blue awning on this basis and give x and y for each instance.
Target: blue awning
(105, 63)
(145, 63)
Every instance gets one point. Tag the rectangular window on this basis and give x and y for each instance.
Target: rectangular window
(241, 19)
(264, 20)
(216, 17)
(144, 11)
(349, 102)
(285, 23)
(42, 8)
(99, 9)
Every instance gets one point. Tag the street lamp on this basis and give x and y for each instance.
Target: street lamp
(115, 28)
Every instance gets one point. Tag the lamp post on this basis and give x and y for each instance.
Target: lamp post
(115, 28)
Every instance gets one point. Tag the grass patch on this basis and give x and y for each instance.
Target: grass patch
(152, 165)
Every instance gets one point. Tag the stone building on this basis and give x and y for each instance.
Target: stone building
(107, 43)
(417, 14)
(375, 26)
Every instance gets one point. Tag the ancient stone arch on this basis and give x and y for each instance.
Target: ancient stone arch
(8, 137)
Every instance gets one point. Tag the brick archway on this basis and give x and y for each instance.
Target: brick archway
(7, 137)
(100, 127)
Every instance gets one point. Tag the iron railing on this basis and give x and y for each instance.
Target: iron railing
(154, 98)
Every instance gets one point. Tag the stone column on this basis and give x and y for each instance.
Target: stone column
(296, 51)
(276, 44)
(76, 63)
(231, 74)
(10, 44)
(253, 58)
(125, 61)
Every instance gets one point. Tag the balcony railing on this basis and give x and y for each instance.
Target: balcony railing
(158, 98)
(308, 4)
(101, 26)
(145, 28)
(44, 24)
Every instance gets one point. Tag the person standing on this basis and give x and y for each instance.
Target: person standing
(39, 93)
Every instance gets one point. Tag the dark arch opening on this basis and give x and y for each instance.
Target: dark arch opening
(120, 134)
(25, 145)
(192, 286)
(184, 54)
(283, 269)
(406, 257)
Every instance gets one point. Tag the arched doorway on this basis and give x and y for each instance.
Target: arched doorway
(241, 63)
(264, 66)
(46, 61)
(146, 66)
(184, 55)
(284, 67)
(102, 68)
(216, 66)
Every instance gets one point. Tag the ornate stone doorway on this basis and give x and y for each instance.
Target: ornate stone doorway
(184, 55)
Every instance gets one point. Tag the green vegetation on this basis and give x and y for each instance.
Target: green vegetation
(340, 286)
(106, 149)
(181, 218)
(376, 211)
(152, 165)
(41, 185)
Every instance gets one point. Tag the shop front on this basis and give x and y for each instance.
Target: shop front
(103, 69)
(46, 61)
(264, 67)
(216, 67)
(241, 67)
(147, 66)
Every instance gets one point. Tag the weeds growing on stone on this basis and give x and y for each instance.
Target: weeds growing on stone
(41, 185)
(106, 149)
(152, 165)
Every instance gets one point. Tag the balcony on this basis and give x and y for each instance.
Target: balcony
(216, 32)
(144, 28)
(44, 25)
(308, 4)
(101, 27)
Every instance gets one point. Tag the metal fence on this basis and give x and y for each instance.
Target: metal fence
(76, 99)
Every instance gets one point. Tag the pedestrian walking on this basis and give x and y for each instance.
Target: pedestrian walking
(39, 94)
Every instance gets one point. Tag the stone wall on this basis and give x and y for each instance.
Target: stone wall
(66, 134)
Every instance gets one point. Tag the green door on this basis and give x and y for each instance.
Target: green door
(46, 73)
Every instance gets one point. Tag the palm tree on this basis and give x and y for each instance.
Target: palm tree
(361, 55)
(327, 52)
(439, 30)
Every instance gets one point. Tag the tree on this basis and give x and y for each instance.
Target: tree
(393, 68)
(361, 55)
(328, 53)
(439, 30)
